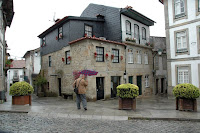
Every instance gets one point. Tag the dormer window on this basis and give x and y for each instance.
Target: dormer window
(88, 30)
(60, 33)
(128, 27)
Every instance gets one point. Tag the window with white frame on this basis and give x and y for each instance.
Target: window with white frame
(183, 75)
(198, 5)
(67, 57)
(15, 73)
(130, 55)
(181, 41)
(147, 81)
(115, 54)
(143, 33)
(139, 57)
(100, 54)
(88, 30)
(128, 27)
(146, 58)
(60, 33)
(179, 8)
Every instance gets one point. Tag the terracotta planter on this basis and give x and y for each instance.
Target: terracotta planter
(184, 104)
(21, 100)
(127, 103)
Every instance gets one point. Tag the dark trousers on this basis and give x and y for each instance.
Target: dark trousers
(79, 98)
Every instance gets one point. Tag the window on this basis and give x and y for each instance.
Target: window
(183, 75)
(60, 33)
(88, 30)
(139, 57)
(15, 73)
(179, 8)
(43, 41)
(100, 54)
(198, 5)
(49, 61)
(147, 81)
(67, 57)
(1, 62)
(181, 42)
(115, 54)
(143, 33)
(128, 27)
(146, 58)
(156, 59)
(198, 38)
(130, 79)
(136, 33)
(130, 55)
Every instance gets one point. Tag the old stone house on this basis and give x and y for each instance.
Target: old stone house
(183, 41)
(123, 53)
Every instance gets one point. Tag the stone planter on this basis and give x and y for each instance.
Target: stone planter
(127, 103)
(184, 104)
(21, 100)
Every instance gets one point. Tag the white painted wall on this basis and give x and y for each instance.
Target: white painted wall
(192, 31)
(37, 63)
(123, 25)
(191, 12)
(194, 71)
(10, 74)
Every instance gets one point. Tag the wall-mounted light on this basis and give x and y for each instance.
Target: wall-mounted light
(36, 54)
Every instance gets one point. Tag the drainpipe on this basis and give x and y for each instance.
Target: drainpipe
(125, 74)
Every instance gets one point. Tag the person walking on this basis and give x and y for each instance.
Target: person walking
(81, 83)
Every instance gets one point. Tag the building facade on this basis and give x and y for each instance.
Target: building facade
(119, 50)
(182, 20)
(15, 72)
(6, 16)
(33, 64)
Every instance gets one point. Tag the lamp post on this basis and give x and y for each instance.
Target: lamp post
(159, 52)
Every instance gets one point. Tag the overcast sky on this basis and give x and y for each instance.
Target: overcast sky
(32, 17)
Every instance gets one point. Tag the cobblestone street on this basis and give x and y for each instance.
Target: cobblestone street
(24, 123)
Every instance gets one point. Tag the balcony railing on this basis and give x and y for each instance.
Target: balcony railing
(136, 38)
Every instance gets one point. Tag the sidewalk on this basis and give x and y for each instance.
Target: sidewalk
(154, 107)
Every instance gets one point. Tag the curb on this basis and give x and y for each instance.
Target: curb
(164, 119)
(12, 111)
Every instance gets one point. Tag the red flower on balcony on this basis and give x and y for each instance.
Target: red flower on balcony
(112, 56)
(63, 59)
(106, 55)
(95, 54)
(69, 58)
(121, 57)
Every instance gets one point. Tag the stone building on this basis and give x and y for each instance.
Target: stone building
(6, 16)
(183, 41)
(159, 65)
(33, 66)
(122, 34)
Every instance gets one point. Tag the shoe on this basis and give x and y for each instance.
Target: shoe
(85, 108)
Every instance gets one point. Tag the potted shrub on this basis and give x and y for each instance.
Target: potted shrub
(21, 93)
(127, 96)
(186, 95)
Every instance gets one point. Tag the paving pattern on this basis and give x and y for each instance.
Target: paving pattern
(25, 123)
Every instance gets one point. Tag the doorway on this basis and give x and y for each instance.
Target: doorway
(162, 85)
(100, 87)
(139, 84)
(115, 81)
(59, 86)
(156, 86)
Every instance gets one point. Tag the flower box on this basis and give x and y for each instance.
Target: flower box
(21, 100)
(127, 103)
(183, 104)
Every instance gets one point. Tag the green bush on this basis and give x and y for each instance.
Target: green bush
(21, 89)
(127, 91)
(186, 90)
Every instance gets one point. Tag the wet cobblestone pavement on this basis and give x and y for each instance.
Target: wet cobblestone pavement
(24, 123)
